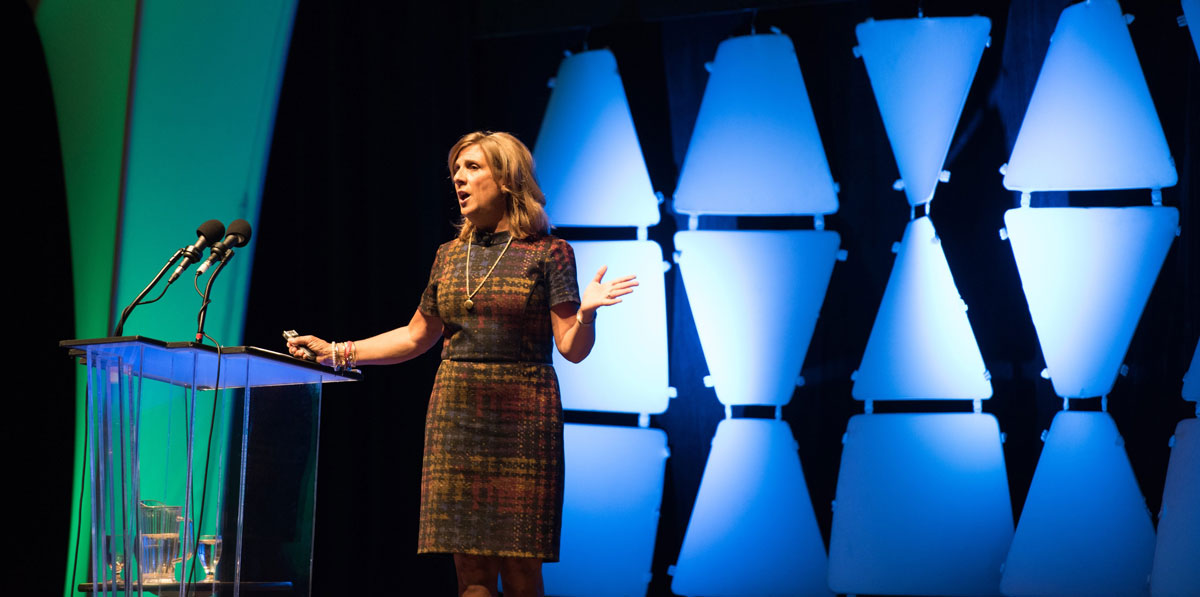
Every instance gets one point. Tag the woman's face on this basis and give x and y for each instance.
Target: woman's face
(479, 197)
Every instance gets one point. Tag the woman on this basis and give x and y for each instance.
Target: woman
(492, 475)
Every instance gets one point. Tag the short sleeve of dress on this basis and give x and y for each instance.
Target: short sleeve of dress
(561, 278)
(428, 304)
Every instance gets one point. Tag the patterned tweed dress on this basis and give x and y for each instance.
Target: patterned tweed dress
(492, 478)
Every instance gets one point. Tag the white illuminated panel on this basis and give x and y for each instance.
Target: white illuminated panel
(1191, 380)
(1087, 274)
(588, 159)
(1176, 568)
(755, 297)
(752, 530)
(921, 70)
(1090, 123)
(627, 368)
(921, 346)
(1085, 529)
(755, 148)
(1191, 12)
(922, 506)
(614, 485)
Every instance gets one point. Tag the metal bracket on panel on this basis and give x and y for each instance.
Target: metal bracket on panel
(1004, 234)
(988, 43)
(944, 176)
(898, 185)
(799, 381)
(728, 411)
(1066, 403)
(671, 570)
(896, 247)
(837, 188)
(912, 215)
(1171, 442)
(672, 392)
(693, 222)
(857, 51)
(1156, 197)
(707, 380)
(1043, 435)
(842, 255)
(1026, 198)
(1104, 403)
(676, 255)
(666, 266)
(550, 82)
(1003, 437)
(642, 234)
(987, 375)
(661, 198)
(1003, 169)
(1124, 370)
(977, 406)
(1181, 20)
(643, 420)
(868, 406)
(776, 30)
(1128, 19)
(708, 66)
(818, 222)
(778, 413)
(1045, 373)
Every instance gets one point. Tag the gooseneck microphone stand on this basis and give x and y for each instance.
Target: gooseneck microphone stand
(208, 290)
(146, 290)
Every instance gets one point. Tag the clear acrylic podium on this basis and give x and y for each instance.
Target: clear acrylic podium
(202, 470)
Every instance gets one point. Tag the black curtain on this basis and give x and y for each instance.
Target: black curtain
(357, 199)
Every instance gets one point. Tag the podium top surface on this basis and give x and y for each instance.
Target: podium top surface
(191, 364)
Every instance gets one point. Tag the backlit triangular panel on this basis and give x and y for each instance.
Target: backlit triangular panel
(778, 277)
(1191, 12)
(641, 386)
(614, 485)
(588, 159)
(1087, 274)
(1191, 380)
(755, 122)
(921, 346)
(1085, 529)
(1090, 123)
(1177, 553)
(921, 70)
(922, 506)
(752, 531)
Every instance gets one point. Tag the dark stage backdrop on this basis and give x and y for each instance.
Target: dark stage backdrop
(358, 198)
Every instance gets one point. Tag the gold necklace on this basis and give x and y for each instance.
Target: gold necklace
(470, 304)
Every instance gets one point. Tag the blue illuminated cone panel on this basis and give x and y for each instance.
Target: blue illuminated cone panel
(1191, 12)
(588, 159)
(614, 485)
(755, 125)
(1087, 273)
(921, 70)
(1084, 529)
(752, 530)
(922, 506)
(642, 385)
(1090, 123)
(1191, 380)
(776, 277)
(1177, 556)
(921, 346)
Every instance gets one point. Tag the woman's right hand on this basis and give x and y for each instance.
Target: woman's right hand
(323, 349)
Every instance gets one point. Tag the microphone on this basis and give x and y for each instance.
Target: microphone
(207, 231)
(237, 235)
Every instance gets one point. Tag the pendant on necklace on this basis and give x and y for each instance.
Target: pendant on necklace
(469, 304)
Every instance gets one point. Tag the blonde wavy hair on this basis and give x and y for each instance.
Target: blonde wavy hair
(512, 168)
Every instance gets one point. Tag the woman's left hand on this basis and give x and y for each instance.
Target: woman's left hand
(601, 294)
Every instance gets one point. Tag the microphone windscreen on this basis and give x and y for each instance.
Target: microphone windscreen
(241, 228)
(213, 230)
